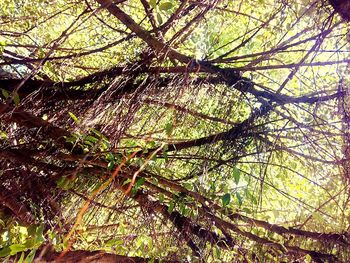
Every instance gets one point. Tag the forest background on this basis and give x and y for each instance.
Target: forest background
(174, 131)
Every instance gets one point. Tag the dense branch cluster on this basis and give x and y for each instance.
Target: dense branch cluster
(171, 130)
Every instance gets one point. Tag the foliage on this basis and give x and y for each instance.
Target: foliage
(174, 130)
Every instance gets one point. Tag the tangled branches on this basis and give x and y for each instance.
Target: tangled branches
(162, 130)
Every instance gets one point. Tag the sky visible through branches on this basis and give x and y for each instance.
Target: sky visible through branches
(174, 131)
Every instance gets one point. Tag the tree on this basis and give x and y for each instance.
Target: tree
(143, 131)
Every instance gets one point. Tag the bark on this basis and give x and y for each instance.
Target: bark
(83, 256)
(342, 7)
(23, 118)
(21, 212)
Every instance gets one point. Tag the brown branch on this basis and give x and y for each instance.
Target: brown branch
(271, 51)
(19, 210)
(204, 201)
(23, 118)
(60, 90)
(184, 224)
(342, 7)
(175, 16)
(143, 34)
(10, 114)
(276, 147)
(191, 112)
(293, 65)
(241, 130)
(149, 13)
(24, 157)
(232, 77)
(191, 23)
(84, 256)
(27, 60)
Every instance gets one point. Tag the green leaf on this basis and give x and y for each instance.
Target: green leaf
(165, 155)
(98, 133)
(91, 139)
(3, 135)
(171, 207)
(153, 3)
(111, 159)
(151, 144)
(30, 256)
(226, 199)
(217, 253)
(5, 93)
(247, 210)
(188, 186)
(16, 98)
(6, 251)
(115, 242)
(105, 144)
(64, 183)
(110, 156)
(182, 209)
(236, 175)
(126, 181)
(32, 229)
(110, 165)
(239, 198)
(97, 186)
(39, 236)
(139, 182)
(165, 6)
(88, 143)
(72, 139)
(168, 128)
(159, 19)
(253, 199)
(21, 259)
(15, 248)
(73, 117)
(30, 243)
(61, 182)
(137, 185)
(308, 258)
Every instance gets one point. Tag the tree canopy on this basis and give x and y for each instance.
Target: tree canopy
(174, 131)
